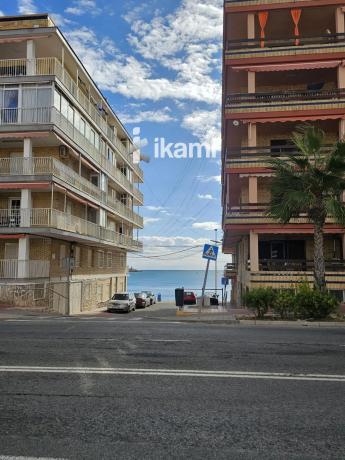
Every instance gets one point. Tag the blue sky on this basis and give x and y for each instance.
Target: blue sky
(159, 65)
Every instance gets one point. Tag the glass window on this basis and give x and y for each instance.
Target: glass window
(64, 106)
(97, 141)
(92, 137)
(82, 126)
(57, 100)
(77, 120)
(70, 114)
(43, 97)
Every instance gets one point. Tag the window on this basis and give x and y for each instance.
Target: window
(62, 256)
(70, 114)
(57, 100)
(109, 259)
(89, 258)
(64, 107)
(100, 259)
(77, 257)
(92, 137)
(82, 126)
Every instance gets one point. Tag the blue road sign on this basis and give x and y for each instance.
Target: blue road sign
(225, 281)
(210, 252)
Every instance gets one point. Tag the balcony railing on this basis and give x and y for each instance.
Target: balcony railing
(14, 269)
(258, 45)
(37, 166)
(257, 213)
(52, 218)
(298, 265)
(270, 151)
(48, 115)
(52, 66)
(248, 100)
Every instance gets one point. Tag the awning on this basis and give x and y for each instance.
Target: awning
(87, 163)
(12, 237)
(294, 118)
(291, 66)
(24, 185)
(23, 135)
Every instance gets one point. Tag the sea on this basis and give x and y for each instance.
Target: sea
(165, 282)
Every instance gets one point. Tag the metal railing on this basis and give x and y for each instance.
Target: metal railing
(51, 166)
(52, 66)
(49, 115)
(252, 99)
(268, 151)
(298, 265)
(252, 44)
(13, 268)
(47, 217)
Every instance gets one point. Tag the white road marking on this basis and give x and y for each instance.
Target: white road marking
(6, 457)
(166, 340)
(174, 373)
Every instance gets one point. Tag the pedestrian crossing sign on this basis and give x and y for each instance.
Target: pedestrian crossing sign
(210, 252)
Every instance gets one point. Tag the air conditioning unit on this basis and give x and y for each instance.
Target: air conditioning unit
(63, 151)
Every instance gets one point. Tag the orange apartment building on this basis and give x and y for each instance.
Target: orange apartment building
(284, 65)
(69, 193)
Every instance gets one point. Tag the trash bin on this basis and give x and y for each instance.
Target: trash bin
(179, 296)
(214, 300)
(159, 297)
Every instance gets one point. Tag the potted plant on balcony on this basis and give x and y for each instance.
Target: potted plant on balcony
(310, 183)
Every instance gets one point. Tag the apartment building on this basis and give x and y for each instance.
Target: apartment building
(283, 66)
(69, 175)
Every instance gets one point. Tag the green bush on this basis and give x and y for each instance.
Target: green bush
(313, 303)
(259, 300)
(284, 304)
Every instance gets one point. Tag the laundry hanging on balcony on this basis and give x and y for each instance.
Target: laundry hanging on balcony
(263, 16)
(296, 16)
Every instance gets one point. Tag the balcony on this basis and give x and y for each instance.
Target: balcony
(50, 66)
(284, 265)
(51, 218)
(286, 101)
(19, 269)
(49, 115)
(257, 214)
(246, 4)
(230, 270)
(49, 166)
(259, 157)
(290, 46)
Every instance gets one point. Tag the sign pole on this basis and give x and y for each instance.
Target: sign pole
(204, 286)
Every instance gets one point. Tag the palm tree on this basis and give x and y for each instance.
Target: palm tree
(311, 182)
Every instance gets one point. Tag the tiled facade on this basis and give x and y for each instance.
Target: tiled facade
(283, 66)
(69, 173)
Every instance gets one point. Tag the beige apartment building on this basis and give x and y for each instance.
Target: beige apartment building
(284, 65)
(69, 176)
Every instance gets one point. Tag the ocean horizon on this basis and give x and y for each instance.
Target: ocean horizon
(165, 282)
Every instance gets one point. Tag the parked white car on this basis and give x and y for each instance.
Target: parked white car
(122, 301)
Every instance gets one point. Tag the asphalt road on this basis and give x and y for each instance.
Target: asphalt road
(130, 387)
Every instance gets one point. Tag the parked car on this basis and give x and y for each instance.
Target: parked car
(122, 301)
(189, 298)
(142, 300)
(151, 296)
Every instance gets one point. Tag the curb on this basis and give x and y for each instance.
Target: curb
(251, 322)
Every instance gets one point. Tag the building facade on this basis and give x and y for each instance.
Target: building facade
(283, 66)
(69, 175)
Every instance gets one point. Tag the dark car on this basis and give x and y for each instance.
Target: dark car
(151, 297)
(141, 300)
(189, 298)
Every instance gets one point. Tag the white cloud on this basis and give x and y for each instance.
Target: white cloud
(154, 116)
(187, 42)
(205, 197)
(151, 220)
(155, 208)
(26, 7)
(206, 225)
(60, 20)
(80, 7)
(206, 179)
(206, 126)
(2, 13)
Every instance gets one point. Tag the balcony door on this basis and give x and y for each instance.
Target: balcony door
(10, 264)
(14, 212)
(9, 105)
